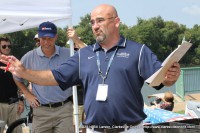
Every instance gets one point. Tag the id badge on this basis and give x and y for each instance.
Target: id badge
(102, 92)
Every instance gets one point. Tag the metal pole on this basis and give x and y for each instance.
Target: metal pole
(74, 88)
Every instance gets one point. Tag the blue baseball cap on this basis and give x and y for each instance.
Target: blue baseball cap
(47, 29)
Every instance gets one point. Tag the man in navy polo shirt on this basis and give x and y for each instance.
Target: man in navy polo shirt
(112, 72)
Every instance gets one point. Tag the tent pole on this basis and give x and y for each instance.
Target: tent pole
(74, 89)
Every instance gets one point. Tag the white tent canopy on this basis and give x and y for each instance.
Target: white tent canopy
(16, 15)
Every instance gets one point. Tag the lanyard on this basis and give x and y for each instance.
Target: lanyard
(108, 67)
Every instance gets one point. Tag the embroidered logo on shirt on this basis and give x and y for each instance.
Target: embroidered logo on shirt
(123, 54)
(90, 57)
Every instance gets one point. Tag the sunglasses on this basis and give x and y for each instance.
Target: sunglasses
(4, 46)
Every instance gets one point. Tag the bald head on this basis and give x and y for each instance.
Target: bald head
(105, 25)
(106, 9)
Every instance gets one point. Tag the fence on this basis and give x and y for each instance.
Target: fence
(189, 81)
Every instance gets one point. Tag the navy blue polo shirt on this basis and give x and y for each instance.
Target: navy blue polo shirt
(132, 64)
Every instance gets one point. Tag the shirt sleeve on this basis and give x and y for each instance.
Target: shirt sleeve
(67, 74)
(149, 63)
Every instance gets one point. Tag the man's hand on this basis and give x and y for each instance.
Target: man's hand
(32, 100)
(172, 74)
(15, 66)
(71, 33)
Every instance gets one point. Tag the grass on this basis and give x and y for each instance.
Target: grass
(181, 112)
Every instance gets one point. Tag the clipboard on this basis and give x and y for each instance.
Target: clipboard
(157, 78)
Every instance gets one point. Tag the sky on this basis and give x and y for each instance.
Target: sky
(186, 12)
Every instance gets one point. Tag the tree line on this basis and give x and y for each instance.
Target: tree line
(162, 37)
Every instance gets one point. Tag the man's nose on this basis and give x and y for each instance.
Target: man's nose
(45, 41)
(95, 26)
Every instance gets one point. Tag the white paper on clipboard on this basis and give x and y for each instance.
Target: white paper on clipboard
(175, 56)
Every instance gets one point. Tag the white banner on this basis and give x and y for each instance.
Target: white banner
(16, 15)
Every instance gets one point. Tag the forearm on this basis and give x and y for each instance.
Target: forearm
(80, 43)
(21, 87)
(44, 78)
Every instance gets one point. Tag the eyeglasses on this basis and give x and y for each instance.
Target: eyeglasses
(99, 21)
(4, 46)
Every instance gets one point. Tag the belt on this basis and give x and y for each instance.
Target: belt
(54, 105)
(109, 130)
(114, 129)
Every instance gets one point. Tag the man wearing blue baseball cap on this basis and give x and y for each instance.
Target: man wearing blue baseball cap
(47, 29)
(52, 107)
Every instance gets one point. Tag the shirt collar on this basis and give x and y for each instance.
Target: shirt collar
(120, 43)
(40, 53)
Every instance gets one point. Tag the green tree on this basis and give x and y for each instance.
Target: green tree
(84, 30)
(171, 33)
(22, 41)
(62, 38)
(124, 30)
(148, 32)
(195, 39)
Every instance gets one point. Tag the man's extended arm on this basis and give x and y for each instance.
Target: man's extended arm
(38, 77)
(44, 78)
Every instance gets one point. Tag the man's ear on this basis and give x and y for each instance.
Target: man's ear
(117, 21)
